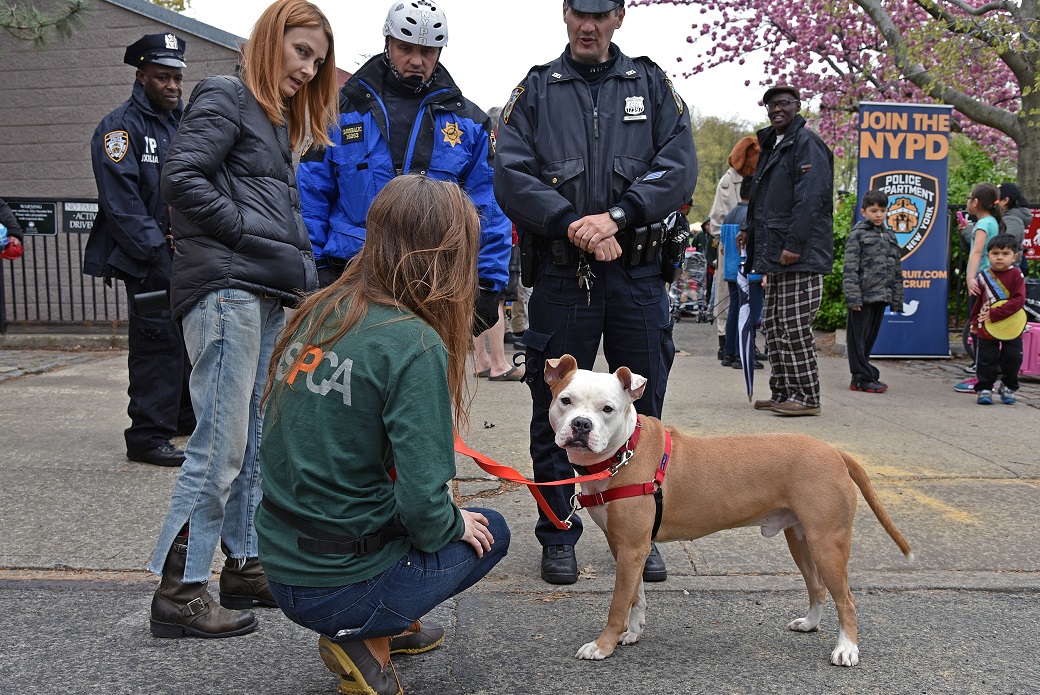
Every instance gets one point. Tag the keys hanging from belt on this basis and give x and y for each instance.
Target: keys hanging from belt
(585, 277)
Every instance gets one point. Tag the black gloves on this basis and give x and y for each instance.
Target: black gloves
(485, 310)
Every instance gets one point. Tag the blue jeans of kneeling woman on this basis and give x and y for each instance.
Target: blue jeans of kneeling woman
(388, 603)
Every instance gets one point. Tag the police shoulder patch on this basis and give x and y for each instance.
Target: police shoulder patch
(679, 103)
(508, 110)
(117, 142)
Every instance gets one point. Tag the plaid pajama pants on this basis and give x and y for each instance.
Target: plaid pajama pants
(791, 303)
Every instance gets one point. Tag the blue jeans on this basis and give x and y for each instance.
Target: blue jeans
(389, 602)
(230, 337)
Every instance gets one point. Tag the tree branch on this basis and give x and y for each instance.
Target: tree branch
(1001, 119)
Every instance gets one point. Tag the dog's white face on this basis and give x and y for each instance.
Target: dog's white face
(591, 413)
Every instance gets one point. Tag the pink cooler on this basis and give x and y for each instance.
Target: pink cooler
(1031, 350)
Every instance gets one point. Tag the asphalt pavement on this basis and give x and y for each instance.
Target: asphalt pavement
(77, 524)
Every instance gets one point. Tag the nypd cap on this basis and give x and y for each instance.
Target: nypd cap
(164, 49)
(595, 6)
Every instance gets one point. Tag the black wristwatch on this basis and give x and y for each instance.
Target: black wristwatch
(618, 215)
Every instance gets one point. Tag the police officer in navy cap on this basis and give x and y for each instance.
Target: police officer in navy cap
(594, 151)
(130, 242)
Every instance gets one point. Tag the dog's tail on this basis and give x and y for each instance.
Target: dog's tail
(859, 476)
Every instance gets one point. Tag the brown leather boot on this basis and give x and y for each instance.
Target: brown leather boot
(180, 608)
(243, 587)
(363, 667)
(418, 638)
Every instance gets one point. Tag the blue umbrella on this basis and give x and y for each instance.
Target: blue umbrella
(745, 328)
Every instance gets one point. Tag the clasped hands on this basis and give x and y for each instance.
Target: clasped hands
(595, 234)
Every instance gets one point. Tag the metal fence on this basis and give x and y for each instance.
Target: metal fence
(46, 290)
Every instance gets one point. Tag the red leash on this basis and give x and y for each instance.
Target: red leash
(512, 475)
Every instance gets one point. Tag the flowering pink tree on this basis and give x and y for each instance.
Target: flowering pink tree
(982, 57)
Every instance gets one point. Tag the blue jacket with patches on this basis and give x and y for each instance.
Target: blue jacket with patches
(450, 141)
(128, 151)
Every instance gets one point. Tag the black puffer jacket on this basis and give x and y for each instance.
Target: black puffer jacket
(236, 212)
(792, 202)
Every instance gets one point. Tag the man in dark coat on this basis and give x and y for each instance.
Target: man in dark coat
(789, 234)
(129, 242)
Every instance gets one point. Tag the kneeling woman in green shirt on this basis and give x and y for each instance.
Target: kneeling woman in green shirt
(359, 536)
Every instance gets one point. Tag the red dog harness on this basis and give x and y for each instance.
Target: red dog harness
(614, 463)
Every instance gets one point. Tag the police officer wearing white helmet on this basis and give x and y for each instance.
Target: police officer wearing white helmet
(402, 113)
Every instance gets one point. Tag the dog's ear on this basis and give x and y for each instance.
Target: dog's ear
(556, 369)
(632, 383)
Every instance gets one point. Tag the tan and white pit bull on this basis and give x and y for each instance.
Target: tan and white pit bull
(781, 482)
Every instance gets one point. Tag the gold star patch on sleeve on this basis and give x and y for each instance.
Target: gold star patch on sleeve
(452, 134)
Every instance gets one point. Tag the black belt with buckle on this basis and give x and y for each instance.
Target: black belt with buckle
(324, 543)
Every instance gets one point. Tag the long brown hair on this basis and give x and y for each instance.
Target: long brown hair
(315, 106)
(420, 253)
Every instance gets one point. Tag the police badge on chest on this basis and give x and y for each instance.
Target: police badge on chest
(634, 109)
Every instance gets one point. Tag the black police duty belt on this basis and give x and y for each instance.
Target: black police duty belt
(639, 245)
(324, 543)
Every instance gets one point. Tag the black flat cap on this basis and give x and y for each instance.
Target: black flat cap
(781, 89)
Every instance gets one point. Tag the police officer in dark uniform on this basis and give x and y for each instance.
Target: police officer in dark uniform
(594, 150)
(130, 242)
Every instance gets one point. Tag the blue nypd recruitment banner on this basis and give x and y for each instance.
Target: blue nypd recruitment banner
(903, 152)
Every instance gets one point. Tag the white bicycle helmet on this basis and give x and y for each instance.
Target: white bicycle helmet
(417, 21)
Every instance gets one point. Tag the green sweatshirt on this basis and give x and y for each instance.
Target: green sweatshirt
(338, 421)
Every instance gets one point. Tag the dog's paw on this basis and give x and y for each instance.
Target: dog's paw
(630, 637)
(591, 652)
(846, 653)
(803, 625)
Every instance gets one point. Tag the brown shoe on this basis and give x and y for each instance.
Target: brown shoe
(418, 638)
(181, 608)
(791, 408)
(246, 586)
(362, 667)
(765, 405)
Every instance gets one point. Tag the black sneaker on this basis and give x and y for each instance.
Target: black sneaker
(728, 360)
(559, 565)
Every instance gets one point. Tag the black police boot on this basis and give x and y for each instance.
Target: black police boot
(163, 455)
(654, 570)
(722, 346)
(559, 565)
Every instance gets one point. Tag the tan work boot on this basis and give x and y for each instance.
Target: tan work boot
(243, 587)
(417, 638)
(180, 608)
(362, 667)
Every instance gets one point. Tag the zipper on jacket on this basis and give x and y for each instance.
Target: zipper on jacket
(373, 96)
(424, 105)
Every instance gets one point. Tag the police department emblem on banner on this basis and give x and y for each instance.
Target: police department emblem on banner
(912, 204)
(116, 144)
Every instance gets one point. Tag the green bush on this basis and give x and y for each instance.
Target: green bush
(832, 309)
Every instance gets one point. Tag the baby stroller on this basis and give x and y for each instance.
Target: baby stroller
(687, 296)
